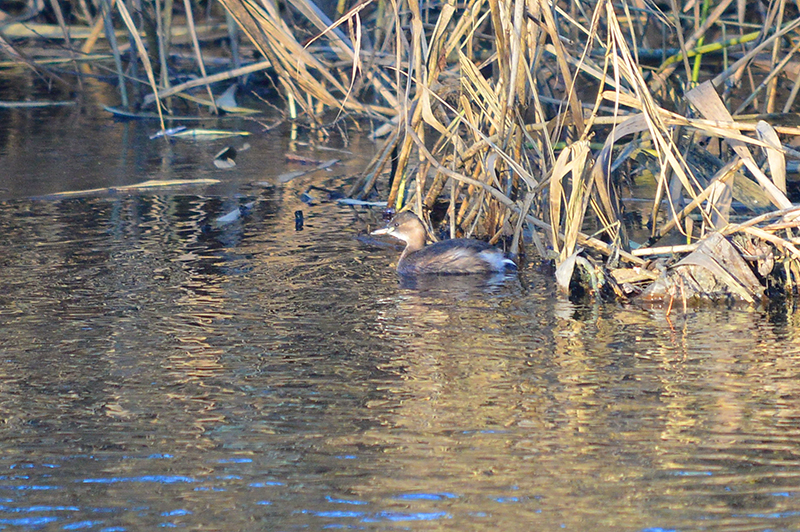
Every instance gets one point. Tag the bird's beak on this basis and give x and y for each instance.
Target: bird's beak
(384, 231)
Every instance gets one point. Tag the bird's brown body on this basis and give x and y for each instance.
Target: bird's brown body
(455, 256)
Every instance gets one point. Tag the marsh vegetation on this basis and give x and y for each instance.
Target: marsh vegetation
(612, 138)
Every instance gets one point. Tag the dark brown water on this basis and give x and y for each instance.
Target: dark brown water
(159, 369)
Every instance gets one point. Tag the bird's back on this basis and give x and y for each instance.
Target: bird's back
(455, 256)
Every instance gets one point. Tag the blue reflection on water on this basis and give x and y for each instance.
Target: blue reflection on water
(40, 509)
(28, 521)
(426, 496)
(160, 479)
(504, 500)
(176, 512)
(339, 514)
(81, 524)
(416, 516)
(344, 501)
(381, 516)
(775, 515)
(31, 488)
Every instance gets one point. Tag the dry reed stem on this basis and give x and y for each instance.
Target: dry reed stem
(708, 102)
(725, 173)
(198, 54)
(126, 17)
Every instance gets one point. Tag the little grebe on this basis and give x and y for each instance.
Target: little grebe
(454, 256)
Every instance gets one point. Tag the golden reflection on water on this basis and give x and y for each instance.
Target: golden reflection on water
(262, 375)
(160, 370)
(617, 402)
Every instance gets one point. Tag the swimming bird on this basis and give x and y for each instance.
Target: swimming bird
(454, 256)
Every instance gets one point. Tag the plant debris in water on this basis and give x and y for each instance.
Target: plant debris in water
(226, 158)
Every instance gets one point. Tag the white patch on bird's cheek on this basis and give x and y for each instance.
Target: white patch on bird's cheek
(399, 236)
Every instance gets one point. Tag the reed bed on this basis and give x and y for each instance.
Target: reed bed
(536, 124)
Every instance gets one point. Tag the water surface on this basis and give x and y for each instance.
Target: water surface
(162, 370)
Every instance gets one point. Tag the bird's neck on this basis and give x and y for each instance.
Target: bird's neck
(414, 243)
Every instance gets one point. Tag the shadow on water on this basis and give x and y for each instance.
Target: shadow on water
(162, 369)
(455, 284)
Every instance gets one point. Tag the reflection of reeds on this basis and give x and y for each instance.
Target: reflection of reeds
(492, 109)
